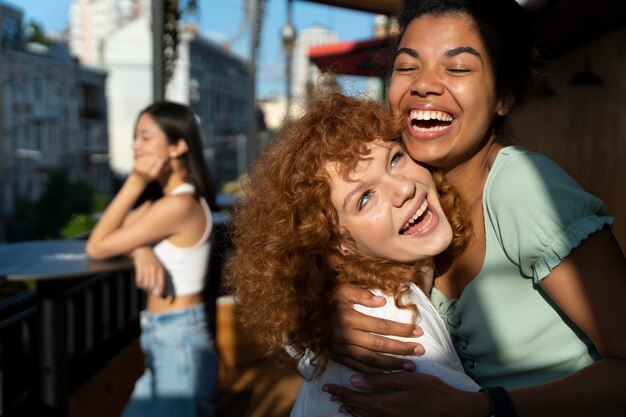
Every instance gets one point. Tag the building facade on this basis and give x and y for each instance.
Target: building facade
(307, 76)
(91, 21)
(44, 122)
(213, 81)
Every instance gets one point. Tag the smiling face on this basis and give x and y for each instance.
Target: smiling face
(390, 207)
(443, 88)
(149, 138)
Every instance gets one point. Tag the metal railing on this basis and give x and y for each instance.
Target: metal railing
(55, 337)
(38, 369)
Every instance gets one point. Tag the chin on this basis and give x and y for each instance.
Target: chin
(441, 241)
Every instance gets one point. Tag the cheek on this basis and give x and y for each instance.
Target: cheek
(415, 148)
(472, 96)
(396, 90)
(420, 174)
(367, 231)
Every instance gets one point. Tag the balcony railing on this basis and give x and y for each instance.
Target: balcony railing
(55, 337)
(80, 315)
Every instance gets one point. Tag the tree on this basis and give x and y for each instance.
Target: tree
(60, 201)
(35, 34)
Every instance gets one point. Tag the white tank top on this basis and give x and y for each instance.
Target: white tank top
(186, 268)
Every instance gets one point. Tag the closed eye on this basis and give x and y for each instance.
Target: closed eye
(404, 69)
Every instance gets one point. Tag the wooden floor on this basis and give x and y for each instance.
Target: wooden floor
(258, 391)
(250, 384)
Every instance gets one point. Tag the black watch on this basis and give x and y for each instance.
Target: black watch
(499, 402)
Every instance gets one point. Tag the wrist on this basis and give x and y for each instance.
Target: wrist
(500, 404)
(478, 403)
(138, 179)
(138, 173)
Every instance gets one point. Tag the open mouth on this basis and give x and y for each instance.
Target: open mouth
(422, 218)
(430, 120)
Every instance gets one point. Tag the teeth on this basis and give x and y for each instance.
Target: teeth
(430, 115)
(417, 214)
(429, 220)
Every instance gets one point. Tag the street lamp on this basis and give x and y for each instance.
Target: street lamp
(288, 37)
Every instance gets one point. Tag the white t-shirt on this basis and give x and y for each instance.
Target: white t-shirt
(440, 358)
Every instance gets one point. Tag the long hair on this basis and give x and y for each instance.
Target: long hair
(286, 260)
(178, 121)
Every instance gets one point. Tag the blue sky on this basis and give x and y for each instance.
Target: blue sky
(221, 19)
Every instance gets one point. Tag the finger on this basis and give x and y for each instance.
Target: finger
(350, 295)
(160, 280)
(368, 362)
(362, 403)
(352, 319)
(346, 395)
(354, 402)
(391, 381)
(152, 284)
(139, 279)
(373, 342)
(356, 411)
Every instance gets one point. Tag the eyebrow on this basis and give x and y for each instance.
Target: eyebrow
(411, 52)
(463, 50)
(449, 53)
(359, 188)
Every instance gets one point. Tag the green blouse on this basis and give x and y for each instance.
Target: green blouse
(507, 331)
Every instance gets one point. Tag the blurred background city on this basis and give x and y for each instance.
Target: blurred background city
(75, 73)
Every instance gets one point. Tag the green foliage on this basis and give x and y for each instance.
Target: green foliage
(78, 226)
(62, 200)
(36, 34)
(81, 224)
(100, 202)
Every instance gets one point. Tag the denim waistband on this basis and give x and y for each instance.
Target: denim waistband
(189, 315)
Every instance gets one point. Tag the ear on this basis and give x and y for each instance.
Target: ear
(181, 147)
(345, 249)
(506, 104)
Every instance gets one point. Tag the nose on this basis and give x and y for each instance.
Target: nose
(403, 189)
(427, 82)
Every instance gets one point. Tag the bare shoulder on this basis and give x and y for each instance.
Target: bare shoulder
(178, 206)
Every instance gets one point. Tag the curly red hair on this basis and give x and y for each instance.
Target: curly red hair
(286, 260)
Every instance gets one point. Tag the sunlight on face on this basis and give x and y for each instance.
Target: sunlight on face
(443, 86)
(389, 205)
(149, 138)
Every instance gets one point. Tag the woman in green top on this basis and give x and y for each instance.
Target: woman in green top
(537, 302)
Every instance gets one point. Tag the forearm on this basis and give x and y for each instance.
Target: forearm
(597, 390)
(114, 215)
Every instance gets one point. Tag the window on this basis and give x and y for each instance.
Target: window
(10, 32)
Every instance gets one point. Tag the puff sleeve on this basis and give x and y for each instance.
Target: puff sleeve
(538, 212)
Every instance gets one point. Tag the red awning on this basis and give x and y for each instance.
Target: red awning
(368, 58)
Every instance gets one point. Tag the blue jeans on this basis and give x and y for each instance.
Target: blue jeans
(181, 376)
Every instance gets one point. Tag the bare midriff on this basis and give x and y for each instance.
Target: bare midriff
(158, 304)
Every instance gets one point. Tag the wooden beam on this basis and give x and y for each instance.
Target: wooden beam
(387, 7)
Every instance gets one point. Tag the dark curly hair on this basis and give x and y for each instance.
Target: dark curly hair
(286, 260)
